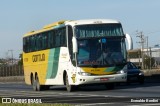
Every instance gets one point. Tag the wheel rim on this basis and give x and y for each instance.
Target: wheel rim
(37, 84)
(67, 84)
(34, 85)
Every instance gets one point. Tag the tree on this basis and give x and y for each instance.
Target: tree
(2, 62)
(20, 62)
(148, 61)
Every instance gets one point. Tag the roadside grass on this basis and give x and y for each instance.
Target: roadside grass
(15, 104)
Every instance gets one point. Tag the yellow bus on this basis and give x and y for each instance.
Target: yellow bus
(74, 53)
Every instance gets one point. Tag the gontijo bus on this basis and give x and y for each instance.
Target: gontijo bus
(74, 53)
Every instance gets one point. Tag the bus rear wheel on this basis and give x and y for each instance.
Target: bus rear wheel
(69, 87)
(33, 82)
(36, 85)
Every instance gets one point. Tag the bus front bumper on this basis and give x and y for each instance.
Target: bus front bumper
(100, 79)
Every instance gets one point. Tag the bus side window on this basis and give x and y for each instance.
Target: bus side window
(49, 40)
(29, 44)
(52, 39)
(32, 40)
(57, 38)
(63, 37)
(24, 44)
(44, 43)
(39, 42)
(36, 43)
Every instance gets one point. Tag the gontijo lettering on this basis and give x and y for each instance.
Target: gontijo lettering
(38, 57)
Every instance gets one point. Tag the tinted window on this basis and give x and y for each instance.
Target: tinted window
(131, 66)
(45, 40)
(98, 30)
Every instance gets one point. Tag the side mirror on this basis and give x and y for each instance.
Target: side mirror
(74, 43)
(130, 41)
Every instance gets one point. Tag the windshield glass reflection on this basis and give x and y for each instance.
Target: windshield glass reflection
(101, 51)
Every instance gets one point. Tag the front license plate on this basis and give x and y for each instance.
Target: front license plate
(104, 79)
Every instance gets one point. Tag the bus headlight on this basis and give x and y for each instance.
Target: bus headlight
(84, 73)
(121, 71)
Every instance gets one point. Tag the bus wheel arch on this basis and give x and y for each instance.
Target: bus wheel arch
(31, 78)
(36, 75)
(64, 77)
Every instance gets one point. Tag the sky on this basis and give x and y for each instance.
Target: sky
(18, 17)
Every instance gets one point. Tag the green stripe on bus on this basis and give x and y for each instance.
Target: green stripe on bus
(113, 69)
(53, 61)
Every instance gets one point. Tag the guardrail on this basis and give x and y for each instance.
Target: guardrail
(6, 72)
(152, 75)
(15, 70)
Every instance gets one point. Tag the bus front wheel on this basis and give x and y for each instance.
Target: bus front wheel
(69, 87)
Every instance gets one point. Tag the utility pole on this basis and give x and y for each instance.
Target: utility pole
(11, 55)
(150, 60)
(147, 50)
(147, 47)
(141, 36)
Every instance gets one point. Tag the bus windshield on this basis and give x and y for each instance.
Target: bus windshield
(98, 30)
(101, 51)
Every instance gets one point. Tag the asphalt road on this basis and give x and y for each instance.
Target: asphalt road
(131, 95)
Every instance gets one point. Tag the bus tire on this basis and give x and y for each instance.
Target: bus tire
(69, 87)
(34, 84)
(38, 86)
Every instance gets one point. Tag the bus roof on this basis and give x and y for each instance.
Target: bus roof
(72, 23)
(91, 21)
(45, 28)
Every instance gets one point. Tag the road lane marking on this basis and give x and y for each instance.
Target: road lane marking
(94, 104)
(148, 104)
(47, 94)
